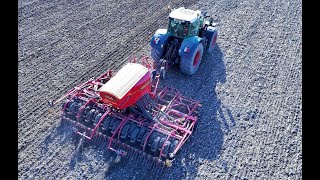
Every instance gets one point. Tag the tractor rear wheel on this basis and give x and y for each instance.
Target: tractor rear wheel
(190, 64)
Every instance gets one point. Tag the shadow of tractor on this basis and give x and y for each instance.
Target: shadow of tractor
(206, 141)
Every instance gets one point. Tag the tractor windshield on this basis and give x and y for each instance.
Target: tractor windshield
(178, 28)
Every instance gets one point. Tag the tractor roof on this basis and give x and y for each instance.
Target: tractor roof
(124, 80)
(185, 14)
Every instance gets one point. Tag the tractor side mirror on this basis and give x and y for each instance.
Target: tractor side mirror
(214, 24)
(206, 15)
(211, 21)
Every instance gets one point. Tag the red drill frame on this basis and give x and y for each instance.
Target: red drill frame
(177, 114)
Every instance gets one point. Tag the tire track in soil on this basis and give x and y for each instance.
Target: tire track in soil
(287, 75)
(30, 8)
(56, 17)
(83, 54)
(279, 70)
(250, 70)
(246, 56)
(37, 63)
(25, 4)
(48, 161)
(128, 53)
(74, 23)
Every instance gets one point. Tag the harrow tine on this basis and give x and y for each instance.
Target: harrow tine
(152, 165)
(130, 153)
(97, 139)
(69, 128)
(158, 167)
(149, 159)
(138, 155)
(144, 160)
(104, 146)
(155, 164)
(93, 141)
(135, 154)
(155, 168)
(158, 170)
(161, 169)
(127, 150)
(141, 157)
(118, 146)
(102, 140)
(63, 125)
(115, 145)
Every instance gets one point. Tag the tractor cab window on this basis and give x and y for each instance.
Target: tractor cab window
(194, 28)
(178, 28)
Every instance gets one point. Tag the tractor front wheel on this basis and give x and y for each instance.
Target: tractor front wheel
(189, 65)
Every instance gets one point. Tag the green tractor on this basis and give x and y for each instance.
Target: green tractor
(189, 35)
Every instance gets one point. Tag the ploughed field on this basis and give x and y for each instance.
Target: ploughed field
(250, 87)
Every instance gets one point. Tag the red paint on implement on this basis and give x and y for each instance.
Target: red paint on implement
(142, 87)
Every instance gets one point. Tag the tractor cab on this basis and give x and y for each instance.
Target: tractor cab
(184, 23)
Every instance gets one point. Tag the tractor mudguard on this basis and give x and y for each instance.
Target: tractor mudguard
(191, 53)
(188, 46)
(158, 42)
(211, 35)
